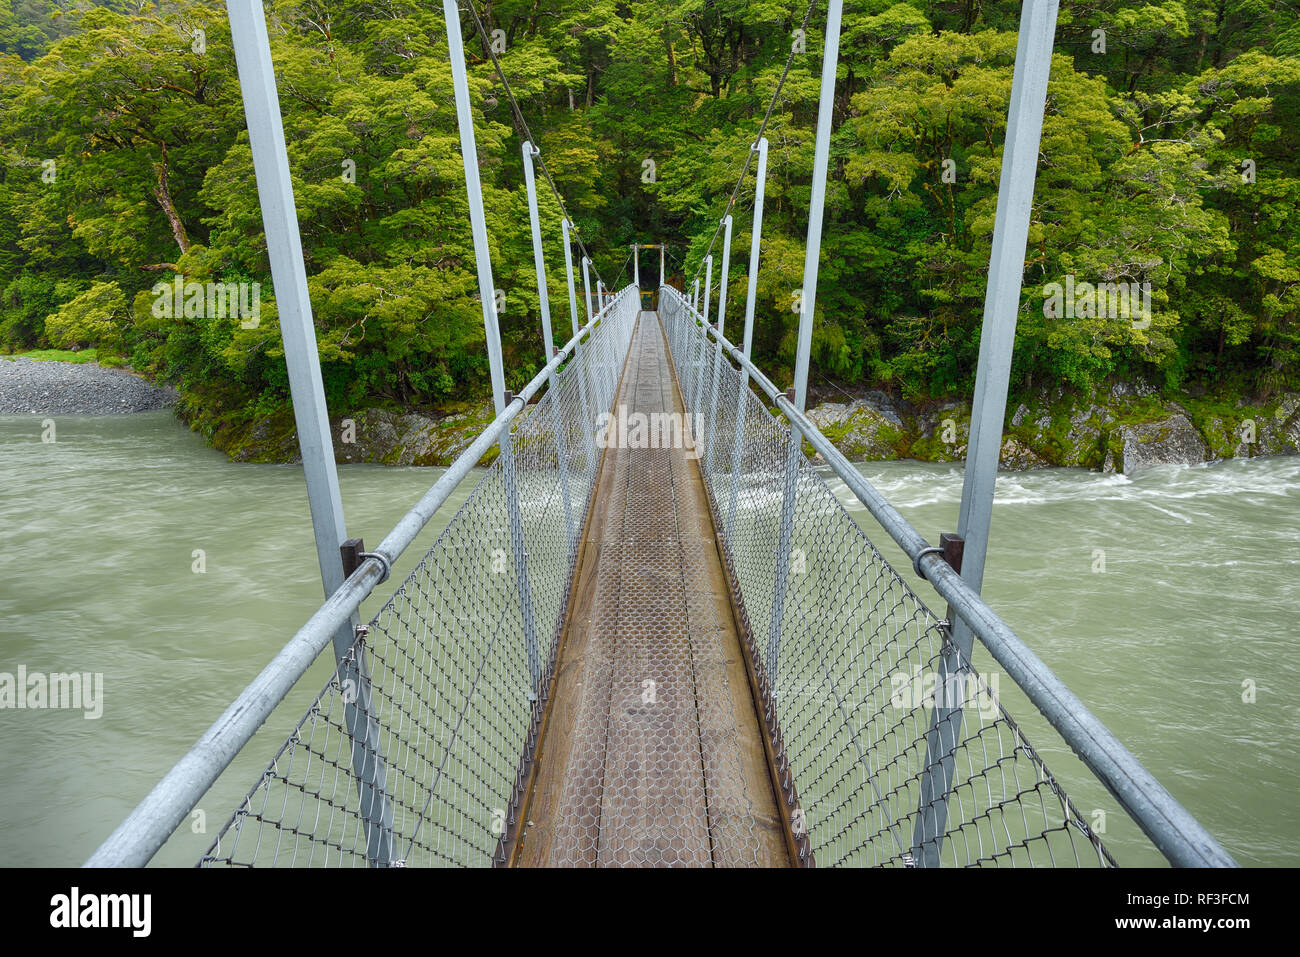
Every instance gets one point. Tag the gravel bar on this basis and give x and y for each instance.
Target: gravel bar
(34, 387)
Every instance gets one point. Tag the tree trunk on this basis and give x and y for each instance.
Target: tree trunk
(672, 58)
(162, 192)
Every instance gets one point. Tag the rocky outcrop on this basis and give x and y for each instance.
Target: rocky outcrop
(863, 429)
(391, 438)
(1169, 441)
(377, 436)
(1125, 428)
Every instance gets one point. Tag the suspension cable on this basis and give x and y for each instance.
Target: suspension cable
(528, 133)
(749, 154)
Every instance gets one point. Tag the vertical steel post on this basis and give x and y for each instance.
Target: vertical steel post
(712, 402)
(487, 293)
(548, 344)
(807, 309)
(704, 340)
(568, 274)
(751, 292)
(663, 256)
(584, 369)
(311, 415)
(997, 338)
(695, 294)
(586, 285)
(636, 266)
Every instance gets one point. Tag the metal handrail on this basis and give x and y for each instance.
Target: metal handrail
(135, 841)
(1171, 828)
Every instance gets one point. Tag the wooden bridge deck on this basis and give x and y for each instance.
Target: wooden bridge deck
(652, 752)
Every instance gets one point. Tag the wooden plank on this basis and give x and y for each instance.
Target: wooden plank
(542, 811)
(653, 801)
(744, 821)
(652, 751)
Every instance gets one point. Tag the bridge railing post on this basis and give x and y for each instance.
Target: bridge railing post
(586, 285)
(751, 290)
(548, 344)
(703, 341)
(288, 273)
(712, 401)
(588, 423)
(487, 296)
(807, 309)
(997, 340)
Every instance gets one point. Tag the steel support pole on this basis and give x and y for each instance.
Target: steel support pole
(704, 342)
(817, 204)
(807, 309)
(586, 285)
(636, 266)
(663, 256)
(712, 402)
(548, 344)
(311, 415)
(568, 275)
(997, 338)
(695, 295)
(751, 292)
(588, 423)
(487, 293)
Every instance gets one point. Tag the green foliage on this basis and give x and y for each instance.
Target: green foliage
(76, 357)
(94, 318)
(124, 163)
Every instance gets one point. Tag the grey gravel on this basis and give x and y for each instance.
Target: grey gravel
(29, 386)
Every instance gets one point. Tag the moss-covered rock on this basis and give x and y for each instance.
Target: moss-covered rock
(379, 436)
(1125, 428)
(1172, 440)
(860, 430)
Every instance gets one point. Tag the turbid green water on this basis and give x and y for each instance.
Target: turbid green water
(99, 529)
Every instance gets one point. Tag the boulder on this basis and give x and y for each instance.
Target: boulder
(859, 429)
(1016, 457)
(1172, 440)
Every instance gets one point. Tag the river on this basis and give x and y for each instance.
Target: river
(130, 549)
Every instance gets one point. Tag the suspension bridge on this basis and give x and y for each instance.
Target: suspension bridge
(665, 647)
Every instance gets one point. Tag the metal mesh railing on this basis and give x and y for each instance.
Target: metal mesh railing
(893, 749)
(413, 754)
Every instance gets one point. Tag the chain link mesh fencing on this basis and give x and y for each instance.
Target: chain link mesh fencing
(453, 672)
(892, 750)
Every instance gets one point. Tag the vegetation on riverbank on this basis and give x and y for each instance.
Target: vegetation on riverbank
(1170, 164)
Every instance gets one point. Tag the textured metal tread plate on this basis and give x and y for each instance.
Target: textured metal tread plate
(657, 760)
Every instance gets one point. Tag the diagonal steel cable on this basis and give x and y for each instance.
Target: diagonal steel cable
(749, 154)
(528, 134)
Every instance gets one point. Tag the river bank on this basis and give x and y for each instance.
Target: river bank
(40, 387)
(1124, 428)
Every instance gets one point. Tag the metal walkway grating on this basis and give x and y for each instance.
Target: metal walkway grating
(653, 754)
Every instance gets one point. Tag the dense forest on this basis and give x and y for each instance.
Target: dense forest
(1170, 157)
